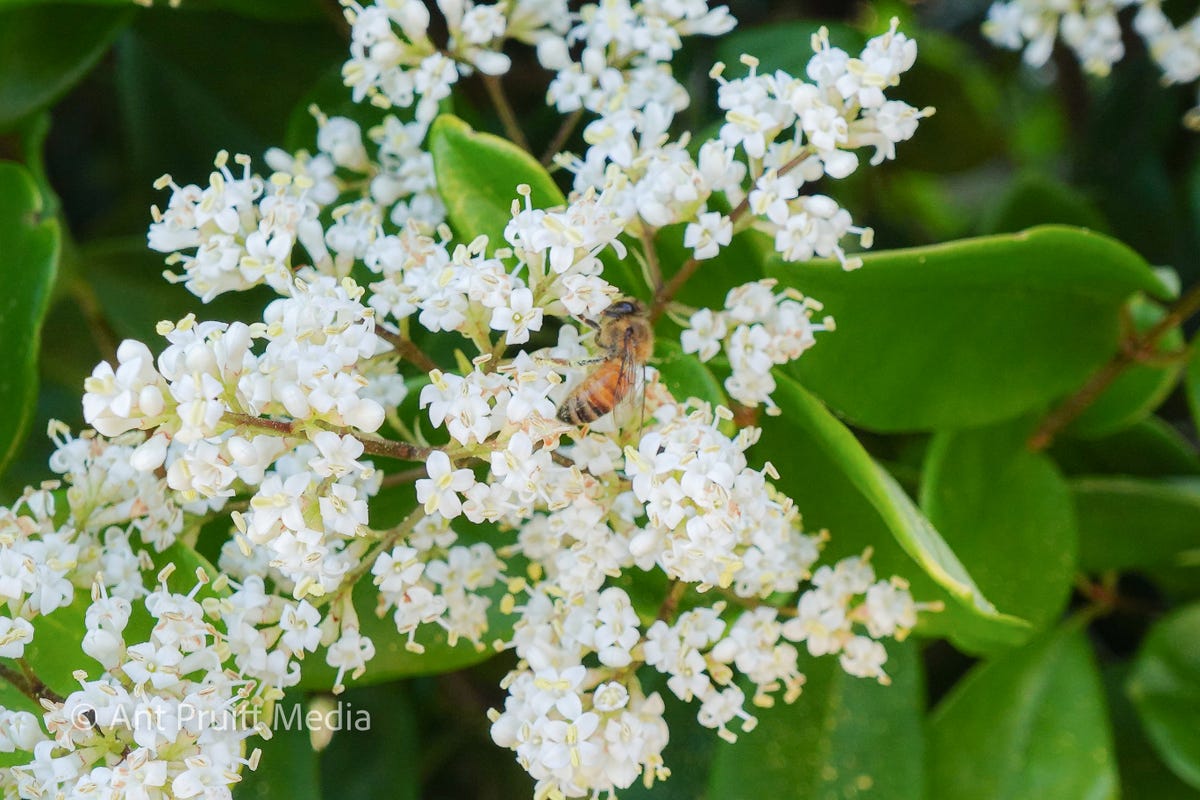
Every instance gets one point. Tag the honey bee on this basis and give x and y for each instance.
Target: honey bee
(627, 338)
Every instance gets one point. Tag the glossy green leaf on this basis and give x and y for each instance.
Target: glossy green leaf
(46, 49)
(29, 244)
(842, 737)
(55, 651)
(1139, 390)
(1029, 724)
(1002, 508)
(685, 376)
(1165, 689)
(837, 486)
(1150, 448)
(966, 333)
(477, 176)
(1143, 774)
(948, 76)
(192, 84)
(1126, 523)
(1035, 198)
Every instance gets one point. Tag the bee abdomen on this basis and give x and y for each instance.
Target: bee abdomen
(578, 410)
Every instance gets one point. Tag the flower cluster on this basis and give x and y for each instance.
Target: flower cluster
(758, 329)
(780, 133)
(1093, 32)
(270, 441)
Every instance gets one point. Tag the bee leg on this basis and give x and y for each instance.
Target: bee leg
(565, 362)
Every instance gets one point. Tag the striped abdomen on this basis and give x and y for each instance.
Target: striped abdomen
(597, 395)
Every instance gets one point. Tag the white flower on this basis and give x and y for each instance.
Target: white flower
(518, 318)
(14, 635)
(439, 492)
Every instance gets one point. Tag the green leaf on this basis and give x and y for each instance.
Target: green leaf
(1127, 523)
(685, 376)
(1143, 774)
(287, 769)
(966, 333)
(1029, 724)
(192, 84)
(1150, 448)
(837, 486)
(966, 130)
(1139, 390)
(1002, 508)
(1165, 689)
(30, 247)
(56, 649)
(46, 49)
(478, 175)
(1035, 198)
(843, 737)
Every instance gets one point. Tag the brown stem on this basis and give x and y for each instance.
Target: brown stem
(508, 117)
(670, 603)
(103, 335)
(560, 137)
(664, 294)
(401, 478)
(407, 350)
(28, 684)
(373, 445)
(651, 255)
(1136, 349)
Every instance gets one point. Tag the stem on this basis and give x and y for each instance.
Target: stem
(560, 137)
(664, 294)
(407, 350)
(373, 445)
(28, 684)
(385, 543)
(103, 335)
(1134, 350)
(508, 117)
(670, 603)
(401, 478)
(652, 265)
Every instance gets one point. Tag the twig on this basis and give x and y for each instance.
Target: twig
(664, 294)
(401, 478)
(373, 445)
(1135, 350)
(407, 350)
(560, 137)
(670, 603)
(103, 335)
(651, 255)
(28, 684)
(508, 117)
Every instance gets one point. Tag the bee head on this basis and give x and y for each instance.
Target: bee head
(627, 307)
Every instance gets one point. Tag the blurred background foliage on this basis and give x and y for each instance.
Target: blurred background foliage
(98, 99)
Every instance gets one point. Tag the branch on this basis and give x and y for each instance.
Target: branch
(1136, 349)
(508, 118)
(560, 137)
(664, 294)
(28, 684)
(374, 445)
(407, 350)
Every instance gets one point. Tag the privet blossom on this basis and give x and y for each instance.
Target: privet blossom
(1092, 30)
(276, 435)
